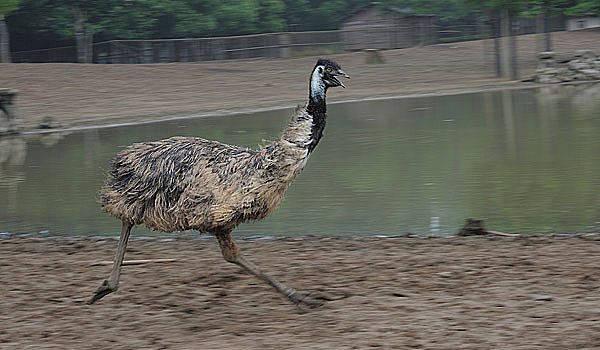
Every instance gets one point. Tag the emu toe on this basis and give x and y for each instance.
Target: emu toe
(303, 299)
(105, 289)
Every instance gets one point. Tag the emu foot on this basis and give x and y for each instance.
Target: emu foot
(301, 299)
(105, 289)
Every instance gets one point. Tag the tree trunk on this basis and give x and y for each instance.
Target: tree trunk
(4, 42)
(539, 30)
(514, 71)
(83, 38)
(89, 46)
(482, 36)
(547, 29)
(505, 44)
(497, 51)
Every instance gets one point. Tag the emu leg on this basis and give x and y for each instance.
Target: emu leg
(112, 284)
(231, 253)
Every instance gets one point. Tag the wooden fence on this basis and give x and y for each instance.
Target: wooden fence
(57, 54)
(270, 45)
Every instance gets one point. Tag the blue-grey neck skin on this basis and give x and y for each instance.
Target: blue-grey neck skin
(317, 91)
(317, 107)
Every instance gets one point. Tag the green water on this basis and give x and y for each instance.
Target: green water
(523, 160)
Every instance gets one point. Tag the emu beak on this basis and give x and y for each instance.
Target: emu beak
(343, 74)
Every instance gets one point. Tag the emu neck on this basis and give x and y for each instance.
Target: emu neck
(306, 127)
(316, 94)
(316, 108)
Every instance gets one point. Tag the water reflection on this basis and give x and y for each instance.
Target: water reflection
(583, 98)
(522, 160)
(12, 156)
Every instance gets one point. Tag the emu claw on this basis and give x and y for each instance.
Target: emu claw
(303, 299)
(105, 289)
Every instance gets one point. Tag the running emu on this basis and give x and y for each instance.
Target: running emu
(186, 183)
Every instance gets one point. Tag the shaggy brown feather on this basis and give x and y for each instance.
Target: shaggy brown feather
(184, 183)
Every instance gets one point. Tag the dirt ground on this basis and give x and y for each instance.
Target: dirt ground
(539, 292)
(75, 94)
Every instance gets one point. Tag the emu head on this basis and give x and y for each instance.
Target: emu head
(324, 76)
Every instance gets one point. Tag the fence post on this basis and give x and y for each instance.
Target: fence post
(284, 45)
(173, 52)
(197, 47)
(115, 55)
(218, 49)
(147, 53)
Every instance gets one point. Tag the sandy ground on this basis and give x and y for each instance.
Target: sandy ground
(75, 94)
(387, 293)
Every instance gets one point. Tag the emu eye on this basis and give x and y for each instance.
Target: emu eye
(329, 69)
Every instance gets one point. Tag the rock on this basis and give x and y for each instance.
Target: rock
(548, 71)
(4, 126)
(594, 73)
(585, 66)
(48, 122)
(548, 79)
(585, 54)
(545, 55)
(578, 65)
(580, 77)
(541, 297)
(472, 227)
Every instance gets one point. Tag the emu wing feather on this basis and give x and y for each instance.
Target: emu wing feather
(167, 185)
(185, 183)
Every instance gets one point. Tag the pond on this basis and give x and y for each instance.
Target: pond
(523, 160)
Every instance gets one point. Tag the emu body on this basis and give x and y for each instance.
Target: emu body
(184, 183)
(191, 183)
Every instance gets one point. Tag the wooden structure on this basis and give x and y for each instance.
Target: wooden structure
(387, 28)
(10, 121)
(582, 22)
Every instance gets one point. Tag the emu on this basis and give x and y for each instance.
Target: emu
(185, 183)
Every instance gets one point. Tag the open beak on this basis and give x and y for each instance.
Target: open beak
(340, 73)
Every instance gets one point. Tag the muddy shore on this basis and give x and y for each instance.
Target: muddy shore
(535, 292)
(84, 94)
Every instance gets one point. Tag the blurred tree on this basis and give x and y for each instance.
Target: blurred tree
(270, 16)
(295, 14)
(132, 19)
(583, 7)
(326, 14)
(179, 18)
(449, 12)
(84, 30)
(237, 17)
(61, 18)
(6, 7)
